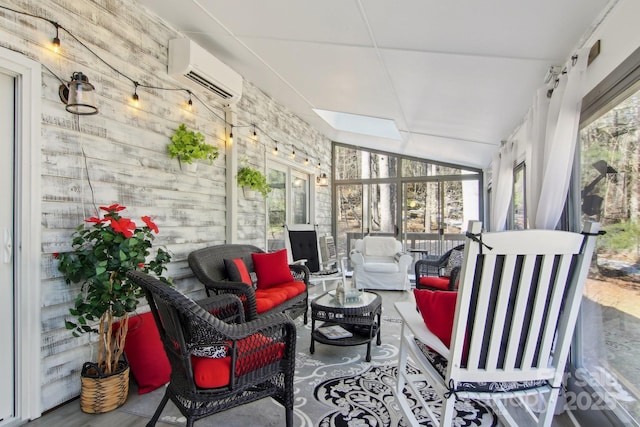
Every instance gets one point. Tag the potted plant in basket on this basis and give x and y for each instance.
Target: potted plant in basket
(252, 178)
(102, 254)
(188, 145)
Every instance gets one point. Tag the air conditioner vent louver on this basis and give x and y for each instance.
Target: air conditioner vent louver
(208, 85)
(196, 68)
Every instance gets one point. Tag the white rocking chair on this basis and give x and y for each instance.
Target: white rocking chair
(515, 313)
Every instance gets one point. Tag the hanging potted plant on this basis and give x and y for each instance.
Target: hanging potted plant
(253, 179)
(188, 145)
(103, 252)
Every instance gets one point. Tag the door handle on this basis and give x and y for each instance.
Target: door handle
(8, 247)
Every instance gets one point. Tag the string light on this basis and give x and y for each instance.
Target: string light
(189, 102)
(231, 135)
(56, 39)
(293, 154)
(135, 98)
(319, 165)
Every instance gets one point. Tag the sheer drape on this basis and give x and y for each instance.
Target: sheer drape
(560, 143)
(502, 186)
(536, 124)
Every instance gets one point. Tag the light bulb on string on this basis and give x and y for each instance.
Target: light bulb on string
(255, 135)
(306, 161)
(56, 39)
(231, 136)
(275, 150)
(135, 99)
(293, 154)
(190, 102)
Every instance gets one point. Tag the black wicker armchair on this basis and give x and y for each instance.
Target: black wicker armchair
(429, 273)
(217, 365)
(209, 267)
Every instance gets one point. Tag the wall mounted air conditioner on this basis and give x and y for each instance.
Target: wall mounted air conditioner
(196, 68)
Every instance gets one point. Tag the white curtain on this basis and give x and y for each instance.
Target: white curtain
(560, 142)
(501, 186)
(536, 124)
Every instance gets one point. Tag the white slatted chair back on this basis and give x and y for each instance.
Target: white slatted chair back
(517, 305)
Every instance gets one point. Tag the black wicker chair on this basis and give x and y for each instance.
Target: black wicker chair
(259, 359)
(208, 266)
(434, 268)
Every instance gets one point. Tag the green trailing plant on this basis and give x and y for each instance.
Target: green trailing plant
(188, 145)
(102, 255)
(254, 179)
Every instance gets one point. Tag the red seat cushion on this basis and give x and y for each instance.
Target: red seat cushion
(144, 350)
(271, 268)
(237, 270)
(437, 309)
(292, 289)
(434, 282)
(276, 295)
(253, 353)
(264, 304)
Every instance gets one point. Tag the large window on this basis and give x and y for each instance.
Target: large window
(424, 204)
(608, 342)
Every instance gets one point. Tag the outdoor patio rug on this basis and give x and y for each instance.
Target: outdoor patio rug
(333, 387)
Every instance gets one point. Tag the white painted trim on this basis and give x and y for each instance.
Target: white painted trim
(28, 233)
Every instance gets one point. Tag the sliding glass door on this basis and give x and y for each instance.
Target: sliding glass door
(608, 344)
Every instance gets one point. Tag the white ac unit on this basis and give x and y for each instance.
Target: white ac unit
(196, 68)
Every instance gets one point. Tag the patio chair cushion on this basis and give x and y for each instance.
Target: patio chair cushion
(271, 268)
(237, 271)
(145, 353)
(437, 309)
(434, 282)
(440, 363)
(253, 352)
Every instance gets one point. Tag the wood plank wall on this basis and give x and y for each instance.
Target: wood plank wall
(125, 154)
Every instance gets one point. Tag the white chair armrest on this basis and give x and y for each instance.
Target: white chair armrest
(357, 257)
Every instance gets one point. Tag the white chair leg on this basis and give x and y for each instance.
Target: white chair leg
(545, 418)
(446, 414)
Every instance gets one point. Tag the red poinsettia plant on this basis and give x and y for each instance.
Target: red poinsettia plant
(104, 250)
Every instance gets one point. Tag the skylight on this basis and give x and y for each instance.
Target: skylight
(356, 123)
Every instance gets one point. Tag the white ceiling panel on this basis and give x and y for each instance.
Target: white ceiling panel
(455, 77)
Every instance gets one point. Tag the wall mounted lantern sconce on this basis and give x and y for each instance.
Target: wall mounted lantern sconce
(322, 180)
(79, 95)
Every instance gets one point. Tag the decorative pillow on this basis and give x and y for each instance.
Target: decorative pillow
(211, 351)
(455, 260)
(437, 309)
(271, 268)
(237, 271)
(148, 361)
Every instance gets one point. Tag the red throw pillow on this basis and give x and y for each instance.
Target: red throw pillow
(237, 270)
(271, 268)
(437, 309)
(148, 361)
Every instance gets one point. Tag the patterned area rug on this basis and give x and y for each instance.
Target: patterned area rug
(335, 386)
(368, 400)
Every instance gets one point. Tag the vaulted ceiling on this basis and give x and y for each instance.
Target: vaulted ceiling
(456, 77)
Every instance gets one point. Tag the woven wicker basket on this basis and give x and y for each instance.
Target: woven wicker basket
(103, 393)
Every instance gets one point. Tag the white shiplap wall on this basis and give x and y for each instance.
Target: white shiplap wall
(125, 154)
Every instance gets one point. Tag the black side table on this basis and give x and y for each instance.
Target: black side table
(360, 316)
